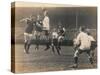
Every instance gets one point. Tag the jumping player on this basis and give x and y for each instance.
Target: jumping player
(38, 30)
(61, 35)
(46, 28)
(28, 33)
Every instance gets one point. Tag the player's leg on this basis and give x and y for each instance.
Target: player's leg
(25, 42)
(52, 45)
(59, 42)
(37, 44)
(57, 48)
(29, 43)
(37, 40)
(92, 48)
(90, 57)
(36, 37)
(47, 40)
(39, 36)
(76, 55)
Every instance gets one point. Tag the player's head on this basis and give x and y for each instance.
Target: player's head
(60, 26)
(45, 12)
(82, 28)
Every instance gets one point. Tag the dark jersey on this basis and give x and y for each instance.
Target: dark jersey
(61, 32)
(29, 27)
(38, 25)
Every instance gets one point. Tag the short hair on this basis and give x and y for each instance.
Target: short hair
(44, 9)
(83, 28)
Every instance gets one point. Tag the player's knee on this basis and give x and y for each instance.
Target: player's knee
(89, 57)
(76, 53)
(25, 41)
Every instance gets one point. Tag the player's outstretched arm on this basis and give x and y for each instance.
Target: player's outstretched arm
(24, 19)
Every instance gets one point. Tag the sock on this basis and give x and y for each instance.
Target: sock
(28, 46)
(58, 51)
(25, 45)
(53, 49)
(91, 61)
(75, 60)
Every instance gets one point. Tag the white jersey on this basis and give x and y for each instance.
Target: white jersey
(84, 41)
(54, 35)
(46, 23)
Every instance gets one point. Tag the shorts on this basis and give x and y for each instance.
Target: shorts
(27, 37)
(79, 51)
(60, 38)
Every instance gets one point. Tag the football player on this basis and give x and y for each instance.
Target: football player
(61, 35)
(46, 28)
(38, 30)
(54, 42)
(83, 44)
(27, 33)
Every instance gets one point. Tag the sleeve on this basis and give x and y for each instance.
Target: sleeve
(24, 19)
(91, 38)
